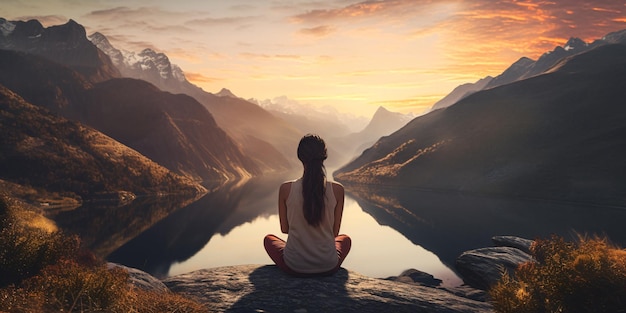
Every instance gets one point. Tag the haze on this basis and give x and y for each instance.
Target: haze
(355, 56)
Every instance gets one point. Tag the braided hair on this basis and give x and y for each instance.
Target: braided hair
(312, 153)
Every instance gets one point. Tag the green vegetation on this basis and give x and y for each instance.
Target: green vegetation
(584, 276)
(43, 271)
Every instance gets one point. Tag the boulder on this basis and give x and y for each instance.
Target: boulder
(265, 288)
(513, 242)
(141, 279)
(482, 268)
(413, 276)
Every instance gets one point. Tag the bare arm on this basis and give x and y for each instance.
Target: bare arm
(339, 195)
(283, 193)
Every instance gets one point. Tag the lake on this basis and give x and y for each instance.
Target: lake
(393, 229)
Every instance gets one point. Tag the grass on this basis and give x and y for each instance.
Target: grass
(46, 271)
(588, 275)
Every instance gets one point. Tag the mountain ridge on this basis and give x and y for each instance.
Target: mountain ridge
(65, 92)
(66, 44)
(519, 139)
(43, 150)
(525, 67)
(265, 138)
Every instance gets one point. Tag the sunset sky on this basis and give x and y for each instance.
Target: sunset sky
(353, 55)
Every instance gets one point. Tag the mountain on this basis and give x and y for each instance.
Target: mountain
(383, 123)
(46, 151)
(559, 135)
(226, 93)
(461, 92)
(271, 141)
(268, 140)
(66, 44)
(147, 65)
(173, 130)
(325, 120)
(526, 67)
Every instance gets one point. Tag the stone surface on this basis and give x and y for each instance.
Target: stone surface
(482, 268)
(413, 276)
(264, 288)
(142, 279)
(513, 242)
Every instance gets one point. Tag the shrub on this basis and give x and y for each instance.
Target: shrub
(585, 276)
(25, 250)
(46, 272)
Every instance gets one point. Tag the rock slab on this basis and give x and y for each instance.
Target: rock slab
(483, 268)
(264, 288)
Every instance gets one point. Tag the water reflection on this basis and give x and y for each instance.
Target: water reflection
(451, 223)
(424, 230)
(105, 226)
(186, 231)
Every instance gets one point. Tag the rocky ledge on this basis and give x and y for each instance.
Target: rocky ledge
(264, 288)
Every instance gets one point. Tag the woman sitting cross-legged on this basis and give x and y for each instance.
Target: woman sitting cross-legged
(310, 210)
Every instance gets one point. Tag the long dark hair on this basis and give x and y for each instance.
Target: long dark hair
(312, 153)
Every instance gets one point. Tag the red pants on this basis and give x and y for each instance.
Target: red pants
(275, 246)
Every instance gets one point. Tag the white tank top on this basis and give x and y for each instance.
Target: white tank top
(310, 249)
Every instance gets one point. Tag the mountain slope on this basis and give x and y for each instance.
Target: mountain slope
(66, 44)
(46, 151)
(461, 92)
(383, 123)
(558, 136)
(526, 68)
(174, 130)
(267, 139)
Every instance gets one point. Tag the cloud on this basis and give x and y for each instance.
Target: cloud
(517, 27)
(222, 21)
(319, 31)
(200, 78)
(363, 9)
(250, 55)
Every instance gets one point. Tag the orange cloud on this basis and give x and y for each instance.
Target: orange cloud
(200, 78)
(362, 9)
(319, 31)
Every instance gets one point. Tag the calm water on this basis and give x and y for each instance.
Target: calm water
(392, 229)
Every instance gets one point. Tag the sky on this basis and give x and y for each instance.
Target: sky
(352, 55)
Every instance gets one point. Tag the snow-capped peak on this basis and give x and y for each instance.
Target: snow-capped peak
(6, 27)
(574, 43)
(178, 73)
(148, 64)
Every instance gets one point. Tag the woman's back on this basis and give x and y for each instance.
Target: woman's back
(310, 249)
(310, 210)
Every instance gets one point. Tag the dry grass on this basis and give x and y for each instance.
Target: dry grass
(43, 271)
(584, 276)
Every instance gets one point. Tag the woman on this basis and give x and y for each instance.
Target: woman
(310, 210)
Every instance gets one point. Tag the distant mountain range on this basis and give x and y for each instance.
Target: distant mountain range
(343, 143)
(268, 140)
(59, 69)
(526, 67)
(556, 135)
(144, 102)
(383, 123)
(267, 131)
